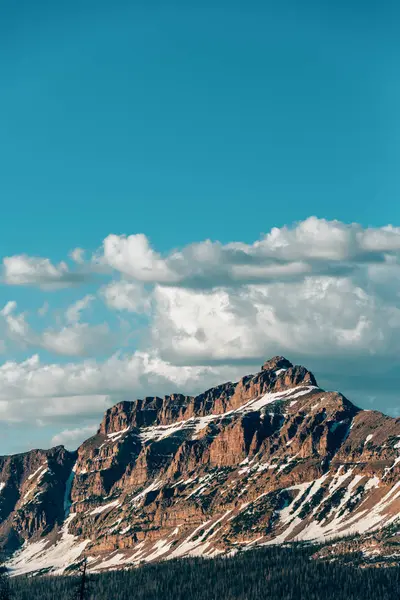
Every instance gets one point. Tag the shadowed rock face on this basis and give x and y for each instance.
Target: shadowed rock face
(32, 493)
(270, 458)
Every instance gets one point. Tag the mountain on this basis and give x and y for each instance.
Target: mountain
(271, 458)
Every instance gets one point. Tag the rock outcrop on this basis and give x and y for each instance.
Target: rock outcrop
(32, 489)
(272, 458)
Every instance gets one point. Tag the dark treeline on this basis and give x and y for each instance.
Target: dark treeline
(273, 573)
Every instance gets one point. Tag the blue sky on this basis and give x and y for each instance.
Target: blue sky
(186, 122)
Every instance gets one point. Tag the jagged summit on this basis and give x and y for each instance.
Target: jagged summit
(276, 375)
(275, 363)
(271, 458)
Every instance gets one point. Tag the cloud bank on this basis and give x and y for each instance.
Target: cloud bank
(326, 294)
(312, 247)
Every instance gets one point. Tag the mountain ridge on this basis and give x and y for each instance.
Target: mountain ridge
(271, 458)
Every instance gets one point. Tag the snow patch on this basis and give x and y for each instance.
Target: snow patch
(36, 556)
(197, 424)
(32, 475)
(153, 486)
(101, 509)
(279, 371)
(117, 434)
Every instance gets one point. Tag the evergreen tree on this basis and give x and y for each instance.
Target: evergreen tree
(5, 592)
(281, 573)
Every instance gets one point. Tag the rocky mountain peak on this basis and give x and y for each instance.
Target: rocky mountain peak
(270, 458)
(277, 374)
(276, 363)
(289, 375)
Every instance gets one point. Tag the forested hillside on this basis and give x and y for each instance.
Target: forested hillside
(271, 573)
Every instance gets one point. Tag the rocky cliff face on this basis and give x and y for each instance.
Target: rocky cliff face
(268, 459)
(31, 494)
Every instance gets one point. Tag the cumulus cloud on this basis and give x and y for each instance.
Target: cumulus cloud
(327, 316)
(73, 339)
(319, 317)
(312, 247)
(36, 271)
(16, 326)
(324, 293)
(133, 256)
(78, 339)
(125, 295)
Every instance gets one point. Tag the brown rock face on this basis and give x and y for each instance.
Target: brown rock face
(275, 363)
(277, 374)
(32, 493)
(269, 458)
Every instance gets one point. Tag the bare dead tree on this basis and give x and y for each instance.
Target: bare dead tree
(81, 593)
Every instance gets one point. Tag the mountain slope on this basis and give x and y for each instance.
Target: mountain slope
(268, 459)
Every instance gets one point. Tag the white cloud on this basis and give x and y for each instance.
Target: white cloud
(16, 326)
(73, 312)
(52, 392)
(124, 295)
(76, 339)
(78, 255)
(133, 256)
(322, 317)
(72, 438)
(31, 270)
(325, 294)
(312, 247)
(321, 289)
(8, 308)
